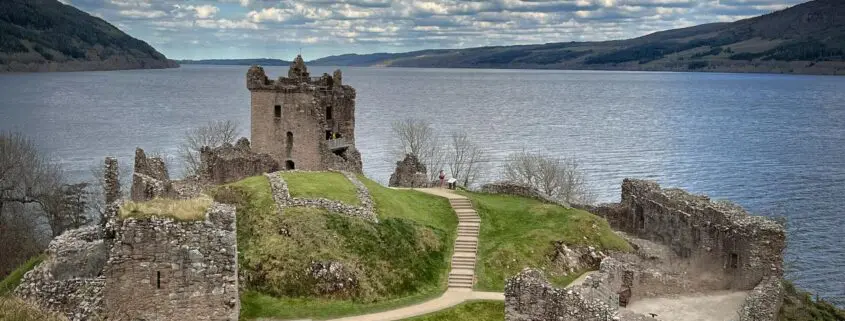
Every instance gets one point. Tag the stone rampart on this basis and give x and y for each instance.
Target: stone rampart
(283, 199)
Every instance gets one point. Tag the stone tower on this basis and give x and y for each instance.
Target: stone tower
(303, 122)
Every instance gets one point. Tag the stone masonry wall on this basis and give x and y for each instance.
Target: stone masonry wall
(161, 269)
(409, 172)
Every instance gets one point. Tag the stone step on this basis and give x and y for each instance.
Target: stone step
(466, 224)
(460, 286)
(467, 233)
(463, 259)
(460, 242)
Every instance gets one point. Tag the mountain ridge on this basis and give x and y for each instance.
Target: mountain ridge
(808, 38)
(46, 35)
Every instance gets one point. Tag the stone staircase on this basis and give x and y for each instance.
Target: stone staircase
(462, 274)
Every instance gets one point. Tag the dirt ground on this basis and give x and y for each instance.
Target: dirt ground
(713, 306)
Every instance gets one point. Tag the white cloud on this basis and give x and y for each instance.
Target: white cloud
(205, 11)
(142, 14)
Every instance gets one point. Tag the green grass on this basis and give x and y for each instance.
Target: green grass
(469, 311)
(11, 281)
(413, 205)
(328, 185)
(518, 232)
(800, 306)
(396, 262)
(255, 304)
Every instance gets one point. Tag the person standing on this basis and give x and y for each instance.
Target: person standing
(442, 177)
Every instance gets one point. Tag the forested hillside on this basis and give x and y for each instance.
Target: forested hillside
(807, 38)
(46, 35)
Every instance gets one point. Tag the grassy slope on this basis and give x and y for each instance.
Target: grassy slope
(8, 284)
(399, 261)
(800, 306)
(329, 185)
(518, 232)
(469, 311)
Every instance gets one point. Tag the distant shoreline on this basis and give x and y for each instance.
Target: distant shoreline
(779, 68)
(74, 66)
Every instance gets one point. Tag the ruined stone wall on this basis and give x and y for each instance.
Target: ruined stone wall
(229, 163)
(748, 248)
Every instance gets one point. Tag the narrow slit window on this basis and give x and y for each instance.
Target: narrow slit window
(158, 279)
(277, 111)
(329, 112)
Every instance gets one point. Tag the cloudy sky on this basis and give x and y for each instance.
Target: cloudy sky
(280, 28)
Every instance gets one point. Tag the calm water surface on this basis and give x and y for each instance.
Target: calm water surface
(773, 143)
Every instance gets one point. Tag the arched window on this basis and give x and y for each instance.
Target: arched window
(289, 165)
(289, 147)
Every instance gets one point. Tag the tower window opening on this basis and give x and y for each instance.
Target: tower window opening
(277, 111)
(289, 144)
(158, 279)
(329, 112)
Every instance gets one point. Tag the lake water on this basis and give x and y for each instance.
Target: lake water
(773, 143)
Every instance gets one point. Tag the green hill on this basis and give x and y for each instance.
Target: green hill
(46, 35)
(401, 260)
(807, 38)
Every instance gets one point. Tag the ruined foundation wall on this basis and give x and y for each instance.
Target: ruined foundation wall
(160, 269)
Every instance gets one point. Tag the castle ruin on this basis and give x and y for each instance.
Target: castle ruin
(304, 122)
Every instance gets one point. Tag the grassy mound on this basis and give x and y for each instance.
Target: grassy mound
(396, 262)
(328, 185)
(181, 210)
(518, 232)
(469, 311)
(11, 281)
(799, 306)
(14, 309)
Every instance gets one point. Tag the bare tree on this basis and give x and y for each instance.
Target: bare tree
(417, 137)
(212, 134)
(32, 195)
(559, 178)
(465, 159)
